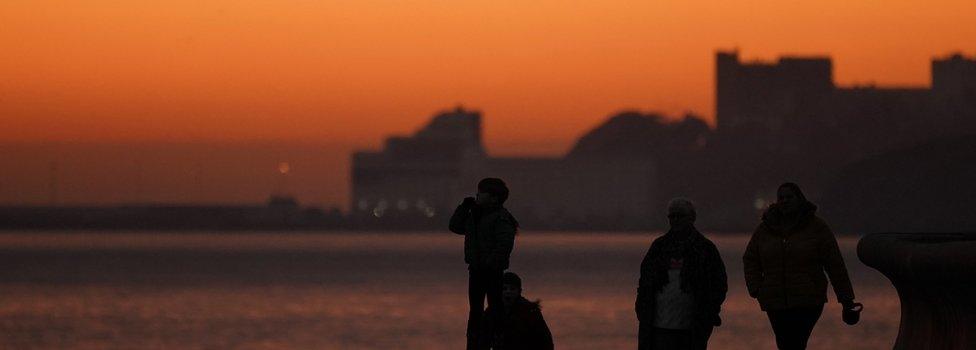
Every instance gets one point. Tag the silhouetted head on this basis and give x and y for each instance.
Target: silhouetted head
(681, 213)
(491, 191)
(790, 198)
(511, 288)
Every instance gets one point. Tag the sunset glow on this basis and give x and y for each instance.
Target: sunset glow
(352, 71)
(345, 74)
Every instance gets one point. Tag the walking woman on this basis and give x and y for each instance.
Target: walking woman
(785, 263)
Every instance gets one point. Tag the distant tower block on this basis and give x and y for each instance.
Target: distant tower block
(954, 84)
(432, 165)
(764, 95)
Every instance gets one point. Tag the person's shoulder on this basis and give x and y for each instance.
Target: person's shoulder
(529, 306)
(497, 213)
(818, 224)
(657, 241)
(504, 213)
(762, 228)
(505, 216)
(707, 242)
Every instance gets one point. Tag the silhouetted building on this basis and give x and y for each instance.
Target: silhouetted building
(954, 86)
(792, 106)
(422, 174)
(776, 121)
(608, 180)
(767, 96)
(788, 120)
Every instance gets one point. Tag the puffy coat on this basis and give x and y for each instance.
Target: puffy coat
(524, 328)
(784, 265)
(489, 235)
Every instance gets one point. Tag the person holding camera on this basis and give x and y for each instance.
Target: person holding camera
(489, 237)
(524, 327)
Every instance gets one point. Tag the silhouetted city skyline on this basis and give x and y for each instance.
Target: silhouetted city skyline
(775, 121)
(784, 109)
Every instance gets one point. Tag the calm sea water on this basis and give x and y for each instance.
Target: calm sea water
(355, 291)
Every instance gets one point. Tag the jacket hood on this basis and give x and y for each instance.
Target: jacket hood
(779, 222)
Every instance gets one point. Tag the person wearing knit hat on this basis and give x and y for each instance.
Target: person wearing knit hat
(524, 327)
(489, 237)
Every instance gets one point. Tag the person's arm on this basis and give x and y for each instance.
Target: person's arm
(458, 222)
(720, 280)
(833, 264)
(542, 337)
(752, 265)
(504, 237)
(644, 292)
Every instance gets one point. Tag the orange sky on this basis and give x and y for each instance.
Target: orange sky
(350, 72)
(327, 77)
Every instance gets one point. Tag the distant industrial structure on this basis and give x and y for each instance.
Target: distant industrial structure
(278, 213)
(428, 173)
(877, 158)
(795, 99)
(776, 121)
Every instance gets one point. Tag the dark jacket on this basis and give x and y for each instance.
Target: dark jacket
(489, 235)
(524, 328)
(785, 261)
(702, 275)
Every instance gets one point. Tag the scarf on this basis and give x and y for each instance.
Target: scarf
(679, 244)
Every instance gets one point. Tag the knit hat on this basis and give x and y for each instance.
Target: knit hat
(494, 186)
(512, 278)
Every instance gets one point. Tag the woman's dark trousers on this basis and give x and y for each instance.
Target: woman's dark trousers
(793, 326)
(653, 338)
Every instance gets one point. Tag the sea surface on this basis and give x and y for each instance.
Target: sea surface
(277, 290)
